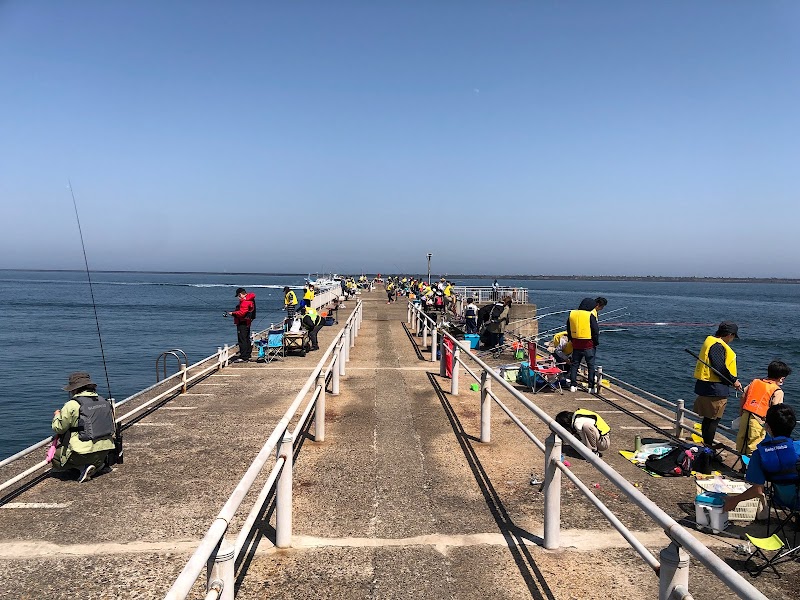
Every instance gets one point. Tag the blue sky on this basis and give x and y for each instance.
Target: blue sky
(614, 137)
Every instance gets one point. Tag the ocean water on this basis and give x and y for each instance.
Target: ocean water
(47, 330)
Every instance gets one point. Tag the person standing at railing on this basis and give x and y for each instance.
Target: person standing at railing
(289, 303)
(715, 374)
(589, 426)
(242, 317)
(495, 291)
(756, 400)
(471, 316)
(584, 333)
(86, 427)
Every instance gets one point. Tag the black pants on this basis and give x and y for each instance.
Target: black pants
(312, 335)
(588, 356)
(243, 333)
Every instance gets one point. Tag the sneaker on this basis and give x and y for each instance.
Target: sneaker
(592, 390)
(572, 388)
(86, 473)
(237, 360)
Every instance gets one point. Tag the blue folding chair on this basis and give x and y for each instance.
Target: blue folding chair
(272, 347)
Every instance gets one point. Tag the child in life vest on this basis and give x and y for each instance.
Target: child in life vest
(756, 400)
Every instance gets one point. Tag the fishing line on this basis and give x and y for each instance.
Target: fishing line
(91, 289)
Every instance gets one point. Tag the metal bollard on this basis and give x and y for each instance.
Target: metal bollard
(486, 408)
(425, 335)
(184, 387)
(679, 412)
(434, 343)
(319, 410)
(674, 570)
(598, 381)
(335, 374)
(456, 369)
(220, 570)
(283, 502)
(552, 492)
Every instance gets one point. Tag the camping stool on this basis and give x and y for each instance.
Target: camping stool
(772, 543)
(549, 376)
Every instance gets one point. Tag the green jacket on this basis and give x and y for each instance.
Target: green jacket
(68, 418)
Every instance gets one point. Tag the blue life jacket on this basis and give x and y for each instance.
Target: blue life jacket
(779, 459)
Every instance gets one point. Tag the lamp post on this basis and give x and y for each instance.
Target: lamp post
(429, 267)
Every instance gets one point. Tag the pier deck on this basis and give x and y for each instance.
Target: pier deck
(400, 501)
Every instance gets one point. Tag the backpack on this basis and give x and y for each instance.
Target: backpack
(95, 418)
(494, 315)
(251, 314)
(675, 463)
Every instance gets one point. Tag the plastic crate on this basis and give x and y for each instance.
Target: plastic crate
(473, 339)
(745, 511)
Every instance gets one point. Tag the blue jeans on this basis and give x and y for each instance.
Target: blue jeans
(587, 355)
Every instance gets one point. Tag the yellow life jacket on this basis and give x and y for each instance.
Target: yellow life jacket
(567, 349)
(580, 324)
(308, 295)
(290, 298)
(601, 425)
(758, 396)
(703, 372)
(448, 290)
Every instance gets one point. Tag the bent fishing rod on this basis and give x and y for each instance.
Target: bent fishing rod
(118, 448)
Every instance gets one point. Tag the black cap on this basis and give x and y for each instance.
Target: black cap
(286, 288)
(240, 291)
(727, 328)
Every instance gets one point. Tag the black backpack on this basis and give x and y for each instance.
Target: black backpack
(251, 314)
(675, 463)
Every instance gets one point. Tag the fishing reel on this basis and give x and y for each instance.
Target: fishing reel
(226, 314)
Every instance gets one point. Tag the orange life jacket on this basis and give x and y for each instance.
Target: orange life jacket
(759, 393)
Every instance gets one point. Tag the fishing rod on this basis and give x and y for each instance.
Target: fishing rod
(725, 378)
(118, 448)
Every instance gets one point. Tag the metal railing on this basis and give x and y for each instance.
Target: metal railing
(162, 360)
(672, 564)
(215, 551)
(180, 382)
(482, 295)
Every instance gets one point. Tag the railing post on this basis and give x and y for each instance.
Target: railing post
(226, 352)
(352, 339)
(335, 373)
(342, 357)
(486, 408)
(434, 343)
(283, 509)
(418, 330)
(184, 387)
(220, 569)
(219, 357)
(408, 317)
(456, 369)
(598, 381)
(552, 492)
(679, 411)
(674, 570)
(319, 410)
(425, 334)
(442, 363)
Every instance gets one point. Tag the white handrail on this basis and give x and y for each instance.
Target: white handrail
(207, 548)
(675, 531)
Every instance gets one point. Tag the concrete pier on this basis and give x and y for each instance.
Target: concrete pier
(401, 500)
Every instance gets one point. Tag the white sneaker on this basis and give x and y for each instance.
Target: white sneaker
(572, 388)
(86, 473)
(592, 390)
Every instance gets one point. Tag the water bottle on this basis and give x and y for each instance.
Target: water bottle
(637, 443)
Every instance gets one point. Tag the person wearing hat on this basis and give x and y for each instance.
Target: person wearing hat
(86, 427)
(715, 375)
(242, 317)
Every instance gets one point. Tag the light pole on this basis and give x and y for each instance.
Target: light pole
(429, 267)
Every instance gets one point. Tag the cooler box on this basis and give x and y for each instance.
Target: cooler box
(473, 338)
(708, 511)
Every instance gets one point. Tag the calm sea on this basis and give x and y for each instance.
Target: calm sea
(47, 330)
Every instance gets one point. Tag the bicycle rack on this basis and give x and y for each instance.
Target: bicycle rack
(162, 358)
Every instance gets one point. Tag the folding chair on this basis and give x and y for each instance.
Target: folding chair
(273, 347)
(768, 544)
